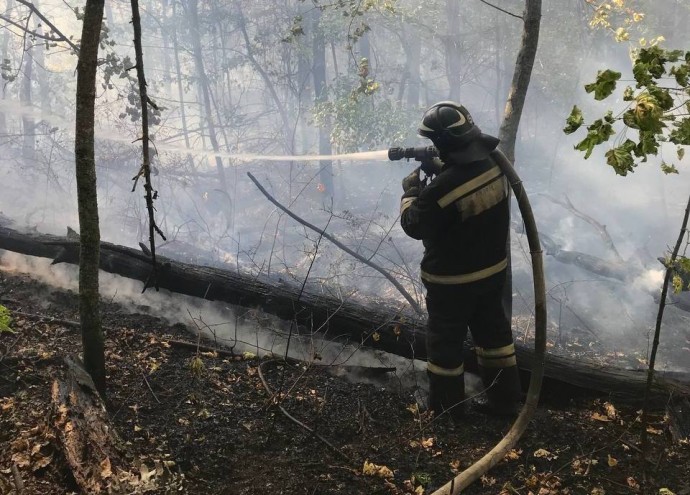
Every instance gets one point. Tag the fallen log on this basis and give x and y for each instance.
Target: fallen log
(385, 326)
(623, 384)
(390, 327)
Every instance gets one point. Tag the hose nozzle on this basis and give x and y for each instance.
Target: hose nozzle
(420, 153)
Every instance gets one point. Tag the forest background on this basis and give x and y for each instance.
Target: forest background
(289, 79)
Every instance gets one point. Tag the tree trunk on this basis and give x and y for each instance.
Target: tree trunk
(3, 87)
(521, 77)
(28, 124)
(453, 46)
(413, 52)
(195, 35)
(87, 196)
(267, 81)
(41, 73)
(321, 95)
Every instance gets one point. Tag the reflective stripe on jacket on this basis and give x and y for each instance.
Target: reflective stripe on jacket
(462, 217)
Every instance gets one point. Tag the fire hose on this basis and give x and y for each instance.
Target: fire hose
(426, 156)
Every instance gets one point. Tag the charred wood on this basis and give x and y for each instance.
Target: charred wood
(87, 439)
(396, 330)
(391, 329)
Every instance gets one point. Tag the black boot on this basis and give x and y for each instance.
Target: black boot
(503, 391)
(446, 395)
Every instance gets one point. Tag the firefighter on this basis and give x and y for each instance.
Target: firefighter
(462, 216)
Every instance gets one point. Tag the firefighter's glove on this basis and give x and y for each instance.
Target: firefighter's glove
(432, 166)
(412, 184)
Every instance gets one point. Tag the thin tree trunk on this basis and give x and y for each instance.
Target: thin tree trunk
(498, 94)
(41, 72)
(657, 333)
(266, 78)
(453, 48)
(413, 51)
(146, 166)
(193, 14)
(321, 95)
(28, 125)
(5, 46)
(180, 90)
(87, 197)
(521, 77)
(166, 50)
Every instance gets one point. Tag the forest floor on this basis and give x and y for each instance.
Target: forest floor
(204, 423)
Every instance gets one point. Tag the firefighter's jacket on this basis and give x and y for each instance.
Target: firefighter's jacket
(462, 216)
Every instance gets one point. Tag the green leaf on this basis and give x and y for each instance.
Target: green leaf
(681, 134)
(681, 73)
(604, 85)
(674, 55)
(648, 113)
(677, 284)
(683, 264)
(648, 145)
(598, 132)
(5, 320)
(681, 153)
(629, 94)
(621, 158)
(574, 121)
(668, 169)
(654, 57)
(641, 74)
(662, 96)
(630, 119)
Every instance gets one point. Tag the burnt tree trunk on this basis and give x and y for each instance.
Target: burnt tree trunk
(88, 441)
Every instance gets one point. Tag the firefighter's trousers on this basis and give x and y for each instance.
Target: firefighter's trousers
(477, 307)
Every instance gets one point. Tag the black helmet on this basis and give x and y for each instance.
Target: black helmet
(449, 125)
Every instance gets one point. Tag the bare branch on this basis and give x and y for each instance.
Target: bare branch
(28, 31)
(349, 251)
(64, 38)
(146, 165)
(502, 10)
(601, 228)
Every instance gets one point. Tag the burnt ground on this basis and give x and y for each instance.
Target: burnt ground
(204, 423)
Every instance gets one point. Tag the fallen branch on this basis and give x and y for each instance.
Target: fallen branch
(332, 447)
(349, 251)
(383, 324)
(203, 348)
(18, 482)
(601, 228)
(46, 319)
